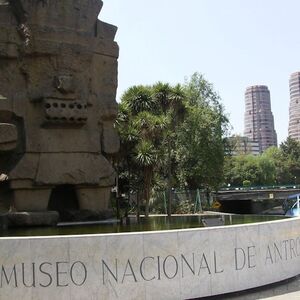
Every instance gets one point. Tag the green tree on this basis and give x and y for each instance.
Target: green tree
(140, 130)
(200, 151)
(291, 160)
(264, 169)
(258, 170)
(172, 135)
(282, 170)
(201, 143)
(291, 148)
(171, 101)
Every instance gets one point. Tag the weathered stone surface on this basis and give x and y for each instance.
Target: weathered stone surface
(8, 137)
(58, 81)
(31, 200)
(85, 215)
(74, 168)
(19, 219)
(106, 31)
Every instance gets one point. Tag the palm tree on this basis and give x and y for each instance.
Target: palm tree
(150, 129)
(171, 100)
(140, 130)
(138, 99)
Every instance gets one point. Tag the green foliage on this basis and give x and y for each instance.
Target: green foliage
(246, 183)
(259, 170)
(146, 154)
(291, 149)
(139, 99)
(174, 136)
(274, 166)
(200, 92)
(201, 141)
(200, 151)
(171, 136)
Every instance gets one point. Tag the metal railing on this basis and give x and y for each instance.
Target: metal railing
(260, 187)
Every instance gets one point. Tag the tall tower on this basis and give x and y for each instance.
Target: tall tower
(294, 111)
(259, 120)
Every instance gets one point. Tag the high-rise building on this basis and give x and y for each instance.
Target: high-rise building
(243, 145)
(294, 111)
(259, 120)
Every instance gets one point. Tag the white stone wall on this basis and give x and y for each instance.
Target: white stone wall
(179, 264)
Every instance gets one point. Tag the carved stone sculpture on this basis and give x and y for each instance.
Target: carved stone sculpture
(58, 80)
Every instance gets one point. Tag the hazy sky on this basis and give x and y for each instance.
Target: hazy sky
(234, 43)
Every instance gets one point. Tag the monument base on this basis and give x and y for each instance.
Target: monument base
(45, 218)
(85, 215)
(3, 222)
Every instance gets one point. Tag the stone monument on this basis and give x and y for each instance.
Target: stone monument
(58, 81)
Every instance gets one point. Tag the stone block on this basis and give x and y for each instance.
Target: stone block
(31, 200)
(93, 199)
(20, 219)
(8, 137)
(72, 168)
(110, 139)
(106, 31)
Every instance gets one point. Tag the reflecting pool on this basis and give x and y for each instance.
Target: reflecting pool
(153, 223)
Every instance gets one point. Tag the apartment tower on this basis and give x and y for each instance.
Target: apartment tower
(294, 111)
(259, 120)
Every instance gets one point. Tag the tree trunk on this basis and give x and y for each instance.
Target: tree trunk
(138, 206)
(147, 188)
(169, 181)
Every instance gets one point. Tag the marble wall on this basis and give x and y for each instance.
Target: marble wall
(179, 264)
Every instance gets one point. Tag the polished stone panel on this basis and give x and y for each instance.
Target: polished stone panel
(175, 264)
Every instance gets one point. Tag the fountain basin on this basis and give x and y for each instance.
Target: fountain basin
(153, 223)
(170, 264)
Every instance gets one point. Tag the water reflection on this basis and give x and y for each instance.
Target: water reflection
(151, 224)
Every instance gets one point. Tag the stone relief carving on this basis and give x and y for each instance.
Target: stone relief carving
(58, 81)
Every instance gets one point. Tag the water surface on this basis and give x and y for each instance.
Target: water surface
(150, 224)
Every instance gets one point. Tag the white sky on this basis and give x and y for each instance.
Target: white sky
(234, 43)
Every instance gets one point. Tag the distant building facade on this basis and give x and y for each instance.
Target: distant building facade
(294, 110)
(243, 145)
(259, 120)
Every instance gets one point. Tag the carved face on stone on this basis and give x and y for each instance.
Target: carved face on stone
(60, 84)
(64, 69)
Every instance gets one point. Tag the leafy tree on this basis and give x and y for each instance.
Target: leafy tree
(291, 148)
(138, 99)
(291, 159)
(274, 166)
(200, 151)
(242, 168)
(201, 142)
(282, 172)
(172, 135)
(140, 129)
(171, 100)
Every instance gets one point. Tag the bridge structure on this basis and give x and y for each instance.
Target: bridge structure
(254, 200)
